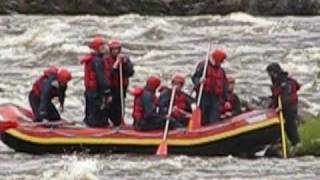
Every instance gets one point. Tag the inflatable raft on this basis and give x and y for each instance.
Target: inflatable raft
(244, 134)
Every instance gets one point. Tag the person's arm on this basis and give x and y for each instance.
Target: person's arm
(196, 77)
(147, 103)
(190, 101)
(286, 94)
(128, 69)
(45, 96)
(62, 95)
(164, 102)
(98, 67)
(236, 105)
(225, 87)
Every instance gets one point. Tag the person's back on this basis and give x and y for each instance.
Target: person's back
(144, 109)
(53, 83)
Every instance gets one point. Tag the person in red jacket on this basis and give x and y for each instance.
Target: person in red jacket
(232, 105)
(53, 83)
(286, 88)
(145, 114)
(113, 62)
(97, 88)
(182, 101)
(215, 86)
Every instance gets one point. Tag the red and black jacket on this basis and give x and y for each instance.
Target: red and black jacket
(287, 88)
(113, 76)
(47, 87)
(94, 73)
(144, 105)
(215, 81)
(181, 101)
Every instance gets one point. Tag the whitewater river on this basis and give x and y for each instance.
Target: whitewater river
(159, 45)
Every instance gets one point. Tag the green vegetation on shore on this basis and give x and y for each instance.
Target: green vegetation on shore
(310, 137)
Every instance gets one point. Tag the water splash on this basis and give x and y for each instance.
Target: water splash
(74, 168)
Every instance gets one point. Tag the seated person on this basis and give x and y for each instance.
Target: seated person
(145, 113)
(232, 105)
(182, 102)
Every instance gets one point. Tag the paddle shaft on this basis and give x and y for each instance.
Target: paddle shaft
(164, 138)
(121, 92)
(187, 114)
(283, 136)
(204, 73)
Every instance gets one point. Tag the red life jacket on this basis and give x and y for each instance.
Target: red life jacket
(90, 80)
(180, 101)
(37, 85)
(138, 111)
(215, 79)
(295, 87)
(114, 81)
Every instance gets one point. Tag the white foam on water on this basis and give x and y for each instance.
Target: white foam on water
(243, 17)
(74, 168)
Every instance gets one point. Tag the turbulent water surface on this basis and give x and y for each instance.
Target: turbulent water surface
(159, 45)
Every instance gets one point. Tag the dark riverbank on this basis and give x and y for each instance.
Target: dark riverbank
(161, 7)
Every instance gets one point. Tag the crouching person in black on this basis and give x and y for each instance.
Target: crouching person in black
(53, 83)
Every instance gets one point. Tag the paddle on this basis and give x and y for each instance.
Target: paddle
(163, 147)
(121, 94)
(283, 136)
(195, 121)
(185, 113)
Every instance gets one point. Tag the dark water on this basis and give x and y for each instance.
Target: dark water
(159, 45)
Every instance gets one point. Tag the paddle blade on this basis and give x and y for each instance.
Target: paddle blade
(4, 125)
(162, 149)
(195, 121)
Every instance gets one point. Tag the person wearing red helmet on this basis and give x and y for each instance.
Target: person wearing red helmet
(113, 61)
(97, 88)
(215, 86)
(181, 104)
(53, 83)
(232, 105)
(145, 103)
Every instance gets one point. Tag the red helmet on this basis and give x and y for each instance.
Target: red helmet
(97, 42)
(153, 82)
(218, 56)
(114, 43)
(230, 80)
(51, 70)
(178, 78)
(64, 75)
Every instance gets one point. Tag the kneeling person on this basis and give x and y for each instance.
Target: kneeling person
(53, 83)
(145, 113)
(232, 105)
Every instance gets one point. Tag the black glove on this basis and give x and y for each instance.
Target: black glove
(106, 99)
